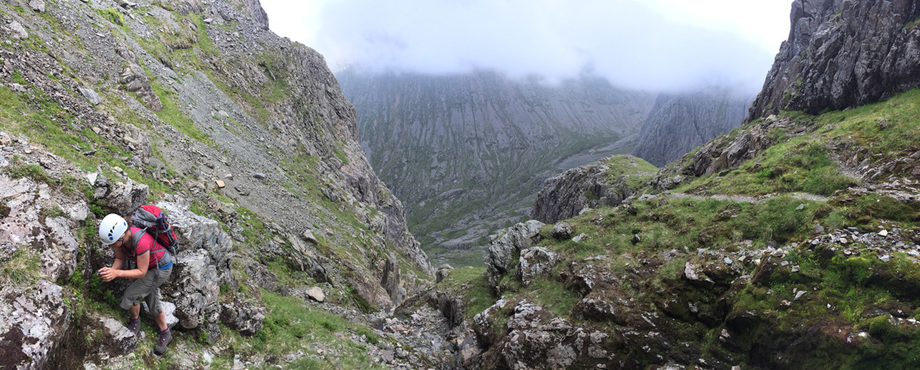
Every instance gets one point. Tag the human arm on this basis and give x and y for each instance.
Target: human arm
(109, 274)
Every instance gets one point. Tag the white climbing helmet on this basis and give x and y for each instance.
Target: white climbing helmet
(112, 228)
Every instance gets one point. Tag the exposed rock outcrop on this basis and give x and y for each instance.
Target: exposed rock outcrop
(843, 53)
(604, 183)
(508, 244)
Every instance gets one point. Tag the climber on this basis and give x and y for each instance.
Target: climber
(153, 267)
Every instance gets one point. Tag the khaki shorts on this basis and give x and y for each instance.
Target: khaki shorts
(146, 288)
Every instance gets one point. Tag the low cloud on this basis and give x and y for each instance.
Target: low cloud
(655, 45)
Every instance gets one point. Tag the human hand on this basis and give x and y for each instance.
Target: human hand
(107, 274)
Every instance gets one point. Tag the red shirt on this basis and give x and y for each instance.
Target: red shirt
(148, 244)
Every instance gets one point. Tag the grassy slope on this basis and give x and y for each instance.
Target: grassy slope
(291, 325)
(853, 292)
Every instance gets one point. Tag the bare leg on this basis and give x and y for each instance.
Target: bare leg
(161, 320)
(135, 311)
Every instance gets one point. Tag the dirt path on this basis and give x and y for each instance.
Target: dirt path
(748, 199)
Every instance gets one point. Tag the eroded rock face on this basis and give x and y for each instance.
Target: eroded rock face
(534, 262)
(201, 267)
(723, 153)
(33, 322)
(537, 340)
(242, 316)
(505, 245)
(841, 54)
(135, 80)
(117, 340)
(567, 194)
(121, 197)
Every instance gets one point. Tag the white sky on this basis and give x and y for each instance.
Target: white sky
(650, 44)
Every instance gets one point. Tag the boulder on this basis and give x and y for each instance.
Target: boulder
(316, 293)
(19, 32)
(117, 340)
(194, 287)
(562, 231)
(134, 78)
(242, 316)
(37, 5)
(534, 262)
(33, 324)
(122, 197)
(506, 244)
(443, 272)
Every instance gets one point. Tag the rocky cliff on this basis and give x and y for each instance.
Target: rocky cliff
(842, 54)
(244, 137)
(678, 123)
(466, 153)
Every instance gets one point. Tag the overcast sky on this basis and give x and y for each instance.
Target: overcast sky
(648, 44)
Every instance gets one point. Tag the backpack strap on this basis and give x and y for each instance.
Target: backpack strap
(136, 239)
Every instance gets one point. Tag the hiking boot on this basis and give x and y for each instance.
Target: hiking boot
(165, 338)
(134, 325)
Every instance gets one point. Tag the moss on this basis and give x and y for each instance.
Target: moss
(112, 15)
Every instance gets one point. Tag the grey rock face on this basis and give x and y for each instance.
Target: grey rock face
(535, 340)
(201, 267)
(135, 80)
(534, 262)
(122, 197)
(508, 243)
(841, 54)
(565, 195)
(679, 123)
(241, 316)
(33, 322)
(59, 261)
(117, 340)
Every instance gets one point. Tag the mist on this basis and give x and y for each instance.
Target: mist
(661, 45)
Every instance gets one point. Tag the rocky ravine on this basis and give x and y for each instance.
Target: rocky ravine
(467, 153)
